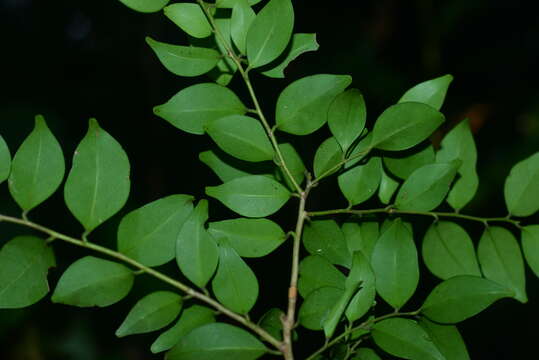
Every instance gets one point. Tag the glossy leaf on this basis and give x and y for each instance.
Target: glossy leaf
(98, 184)
(152, 312)
(394, 262)
(217, 341)
(403, 164)
(462, 297)
(431, 92)
(427, 187)
(361, 236)
(241, 20)
(270, 32)
(316, 272)
(242, 137)
(194, 107)
(184, 60)
(24, 264)
(91, 281)
(360, 183)
(366, 354)
(314, 311)
(406, 339)
(530, 247)
(327, 157)
(38, 167)
(294, 163)
(364, 298)
(300, 44)
(190, 18)
(446, 338)
(501, 260)
(448, 251)
(271, 322)
(249, 237)
(148, 234)
(347, 115)
(325, 238)
(190, 318)
(522, 187)
(251, 196)
(231, 3)
(388, 187)
(196, 251)
(405, 125)
(303, 105)
(5, 160)
(145, 6)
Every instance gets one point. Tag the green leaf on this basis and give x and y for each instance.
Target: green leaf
(5, 160)
(251, 196)
(316, 272)
(152, 312)
(446, 338)
(462, 297)
(271, 322)
(231, 3)
(359, 183)
(405, 125)
(270, 32)
(522, 187)
(98, 184)
(403, 164)
(38, 167)
(501, 260)
(91, 281)
(325, 238)
(530, 247)
(361, 236)
(364, 298)
(24, 263)
(303, 105)
(249, 237)
(190, 18)
(346, 117)
(328, 155)
(190, 318)
(427, 187)
(196, 251)
(217, 341)
(234, 285)
(431, 92)
(406, 339)
(314, 311)
(242, 137)
(184, 60)
(394, 261)
(387, 188)
(294, 163)
(448, 251)
(145, 6)
(359, 150)
(366, 354)
(242, 17)
(194, 107)
(148, 234)
(300, 44)
(220, 167)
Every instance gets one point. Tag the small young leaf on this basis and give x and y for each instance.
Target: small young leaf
(234, 285)
(448, 251)
(242, 17)
(325, 238)
(387, 188)
(196, 251)
(394, 261)
(405, 125)
(271, 322)
(185, 60)
(91, 281)
(251, 196)
(190, 18)
(242, 137)
(249, 237)
(501, 260)
(270, 32)
(294, 163)
(38, 167)
(303, 105)
(431, 92)
(447, 339)
(522, 187)
(530, 247)
(359, 183)
(427, 187)
(145, 6)
(217, 341)
(231, 3)
(314, 311)
(346, 117)
(24, 263)
(462, 297)
(5, 160)
(148, 234)
(98, 184)
(316, 272)
(300, 44)
(366, 354)
(403, 164)
(152, 312)
(363, 300)
(190, 318)
(406, 339)
(361, 237)
(328, 155)
(197, 105)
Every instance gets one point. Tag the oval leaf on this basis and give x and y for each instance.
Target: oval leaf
(431, 92)
(314, 311)
(388, 187)
(271, 322)
(316, 272)
(145, 6)
(5, 160)
(300, 43)
(522, 187)
(327, 157)
(359, 183)
(361, 237)
(404, 163)
(446, 338)
(190, 18)
(530, 246)
(364, 299)
(346, 117)
(240, 22)
(294, 163)
(325, 238)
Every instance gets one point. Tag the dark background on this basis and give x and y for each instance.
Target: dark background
(71, 60)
